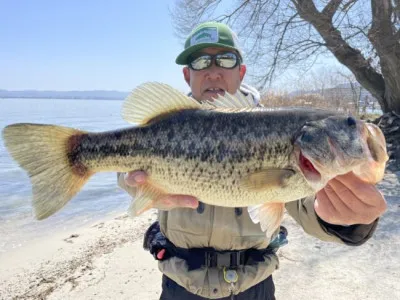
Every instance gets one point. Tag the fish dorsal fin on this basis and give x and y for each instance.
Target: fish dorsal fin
(152, 99)
(237, 101)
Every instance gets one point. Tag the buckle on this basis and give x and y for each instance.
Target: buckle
(229, 259)
(224, 259)
(236, 259)
(210, 259)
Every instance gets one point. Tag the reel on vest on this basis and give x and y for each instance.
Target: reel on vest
(231, 277)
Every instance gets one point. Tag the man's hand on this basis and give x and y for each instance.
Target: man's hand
(347, 200)
(136, 178)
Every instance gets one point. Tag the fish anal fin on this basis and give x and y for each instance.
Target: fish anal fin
(152, 100)
(266, 179)
(269, 215)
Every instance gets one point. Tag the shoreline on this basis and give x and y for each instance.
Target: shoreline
(47, 266)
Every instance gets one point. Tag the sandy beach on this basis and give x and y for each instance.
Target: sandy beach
(106, 260)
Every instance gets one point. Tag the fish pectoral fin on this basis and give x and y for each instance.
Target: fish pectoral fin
(266, 179)
(147, 195)
(152, 99)
(269, 215)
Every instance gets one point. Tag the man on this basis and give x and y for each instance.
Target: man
(345, 211)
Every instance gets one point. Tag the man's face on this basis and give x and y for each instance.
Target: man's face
(208, 83)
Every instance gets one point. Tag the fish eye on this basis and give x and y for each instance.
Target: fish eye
(306, 137)
(351, 121)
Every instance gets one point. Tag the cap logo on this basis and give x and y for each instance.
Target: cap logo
(205, 35)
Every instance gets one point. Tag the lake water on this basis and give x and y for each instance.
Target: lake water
(100, 198)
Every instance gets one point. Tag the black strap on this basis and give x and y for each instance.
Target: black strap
(209, 257)
(155, 241)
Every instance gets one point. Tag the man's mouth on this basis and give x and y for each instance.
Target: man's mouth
(215, 91)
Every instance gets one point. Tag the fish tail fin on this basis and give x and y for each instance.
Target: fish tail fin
(44, 151)
(269, 215)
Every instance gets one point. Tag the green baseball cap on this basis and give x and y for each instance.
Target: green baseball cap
(209, 34)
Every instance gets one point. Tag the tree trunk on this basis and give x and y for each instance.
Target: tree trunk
(386, 41)
(384, 87)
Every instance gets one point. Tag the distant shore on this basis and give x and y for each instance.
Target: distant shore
(64, 98)
(74, 94)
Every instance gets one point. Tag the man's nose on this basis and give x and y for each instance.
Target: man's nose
(214, 72)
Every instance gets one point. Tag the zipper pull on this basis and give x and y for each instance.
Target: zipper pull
(232, 288)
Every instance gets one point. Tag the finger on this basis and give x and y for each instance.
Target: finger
(135, 178)
(367, 193)
(173, 201)
(341, 193)
(341, 206)
(324, 208)
(350, 208)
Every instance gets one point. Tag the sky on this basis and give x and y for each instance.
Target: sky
(91, 45)
(87, 45)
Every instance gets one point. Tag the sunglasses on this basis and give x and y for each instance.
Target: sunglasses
(227, 60)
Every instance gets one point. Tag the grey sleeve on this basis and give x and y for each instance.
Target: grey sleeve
(302, 211)
(304, 214)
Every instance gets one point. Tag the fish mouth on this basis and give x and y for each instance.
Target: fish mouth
(307, 168)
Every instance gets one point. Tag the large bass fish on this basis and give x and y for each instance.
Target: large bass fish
(224, 152)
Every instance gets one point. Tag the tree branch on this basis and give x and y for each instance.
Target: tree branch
(359, 31)
(348, 5)
(224, 17)
(279, 47)
(331, 8)
(381, 19)
(350, 57)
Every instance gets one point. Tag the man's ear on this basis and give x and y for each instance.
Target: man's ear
(186, 75)
(242, 71)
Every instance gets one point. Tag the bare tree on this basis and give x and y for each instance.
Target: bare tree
(362, 35)
(355, 90)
